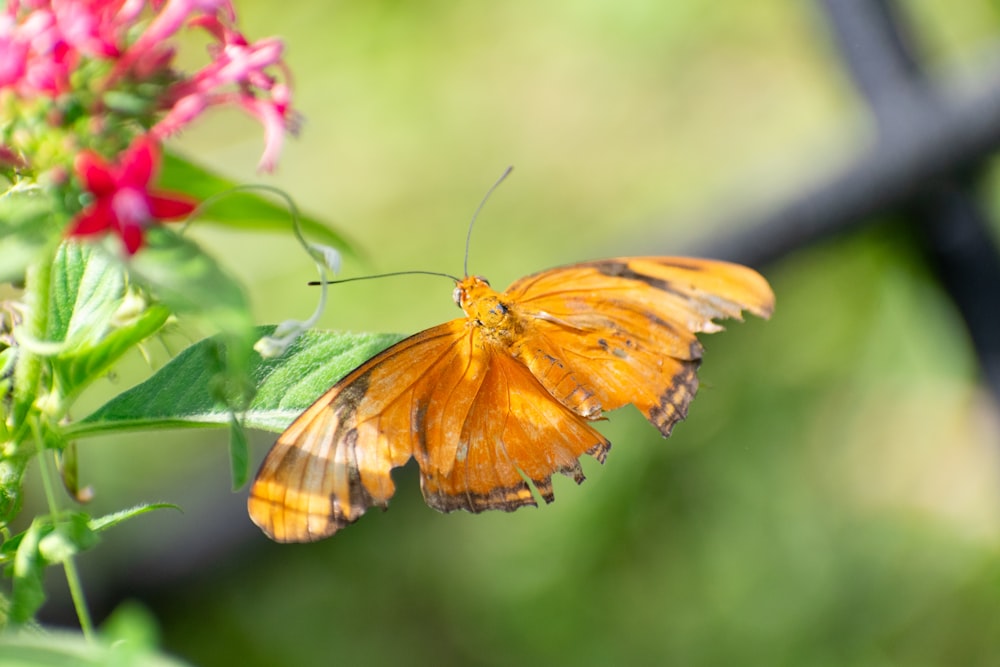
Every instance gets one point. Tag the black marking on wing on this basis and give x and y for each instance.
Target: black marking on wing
(674, 402)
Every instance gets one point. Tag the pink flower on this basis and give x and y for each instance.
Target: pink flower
(174, 14)
(15, 53)
(123, 202)
(93, 28)
(47, 47)
(238, 74)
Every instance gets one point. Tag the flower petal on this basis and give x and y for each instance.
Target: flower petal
(132, 237)
(164, 206)
(95, 173)
(137, 164)
(93, 220)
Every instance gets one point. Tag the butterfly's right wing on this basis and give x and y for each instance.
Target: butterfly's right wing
(603, 334)
(334, 461)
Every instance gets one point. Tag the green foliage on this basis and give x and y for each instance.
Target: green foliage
(25, 227)
(177, 395)
(241, 208)
(129, 638)
(52, 541)
(86, 322)
(86, 308)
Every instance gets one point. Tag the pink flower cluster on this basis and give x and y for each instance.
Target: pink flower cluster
(44, 43)
(238, 75)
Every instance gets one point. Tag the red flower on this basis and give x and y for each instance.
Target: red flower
(123, 202)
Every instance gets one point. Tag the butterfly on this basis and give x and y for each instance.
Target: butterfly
(493, 404)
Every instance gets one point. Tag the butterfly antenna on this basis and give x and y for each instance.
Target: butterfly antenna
(388, 275)
(468, 237)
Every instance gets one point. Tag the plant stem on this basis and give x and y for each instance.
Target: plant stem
(79, 601)
(72, 574)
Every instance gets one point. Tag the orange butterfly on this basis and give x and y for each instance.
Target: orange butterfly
(500, 398)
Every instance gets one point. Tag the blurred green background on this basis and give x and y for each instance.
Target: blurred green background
(834, 496)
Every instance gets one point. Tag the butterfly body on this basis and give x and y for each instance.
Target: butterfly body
(486, 311)
(493, 404)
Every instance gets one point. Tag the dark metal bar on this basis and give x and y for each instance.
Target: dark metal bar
(952, 229)
(880, 55)
(957, 134)
(955, 234)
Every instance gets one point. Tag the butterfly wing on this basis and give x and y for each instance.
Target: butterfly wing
(599, 335)
(478, 423)
(334, 461)
(512, 432)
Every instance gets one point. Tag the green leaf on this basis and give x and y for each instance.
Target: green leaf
(27, 591)
(82, 366)
(71, 535)
(240, 209)
(191, 283)
(67, 649)
(11, 487)
(87, 292)
(76, 532)
(27, 223)
(132, 623)
(286, 385)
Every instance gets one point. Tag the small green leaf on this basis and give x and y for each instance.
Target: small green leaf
(75, 532)
(41, 545)
(100, 524)
(28, 594)
(79, 367)
(87, 291)
(240, 209)
(131, 625)
(177, 395)
(70, 536)
(11, 485)
(239, 453)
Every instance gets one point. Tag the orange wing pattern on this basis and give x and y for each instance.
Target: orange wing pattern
(487, 403)
(603, 334)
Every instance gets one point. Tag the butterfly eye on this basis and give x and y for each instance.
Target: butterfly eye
(457, 296)
(483, 280)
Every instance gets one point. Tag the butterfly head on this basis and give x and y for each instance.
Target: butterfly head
(469, 289)
(482, 304)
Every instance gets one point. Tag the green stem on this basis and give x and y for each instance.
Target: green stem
(43, 468)
(28, 372)
(72, 574)
(79, 601)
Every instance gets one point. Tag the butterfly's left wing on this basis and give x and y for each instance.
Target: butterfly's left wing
(599, 335)
(511, 433)
(334, 461)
